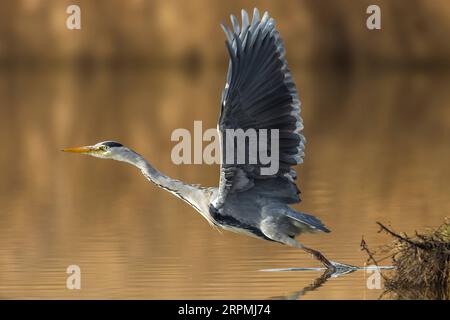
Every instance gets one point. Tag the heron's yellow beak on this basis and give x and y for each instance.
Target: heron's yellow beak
(86, 149)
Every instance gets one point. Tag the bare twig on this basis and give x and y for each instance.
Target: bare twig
(399, 237)
(365, 248)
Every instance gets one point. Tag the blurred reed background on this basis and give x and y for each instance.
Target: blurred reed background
(375, 104)
(151, 32)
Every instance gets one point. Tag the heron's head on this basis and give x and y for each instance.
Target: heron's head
(106, 150)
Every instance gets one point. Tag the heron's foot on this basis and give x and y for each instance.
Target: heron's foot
(334, 269)
(343, 266)
(341, 269)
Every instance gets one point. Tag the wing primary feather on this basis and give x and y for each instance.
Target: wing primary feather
(265, 18)
(235, 24)
(255, 19)
(227, 33)
(245, 22)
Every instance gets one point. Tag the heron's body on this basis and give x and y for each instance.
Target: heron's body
(259, 94)
(251, 211)
(244, 212)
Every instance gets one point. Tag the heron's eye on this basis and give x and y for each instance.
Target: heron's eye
(103, 148)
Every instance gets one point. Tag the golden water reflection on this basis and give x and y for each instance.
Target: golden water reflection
(378, 150)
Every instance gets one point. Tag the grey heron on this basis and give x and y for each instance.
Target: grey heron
(259, 93)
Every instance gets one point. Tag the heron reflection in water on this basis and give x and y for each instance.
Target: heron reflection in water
(259, 94)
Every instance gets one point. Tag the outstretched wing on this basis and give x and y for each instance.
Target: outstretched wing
(260, 94)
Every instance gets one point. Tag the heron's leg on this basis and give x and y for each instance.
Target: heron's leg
(269, 228)
(316, 254)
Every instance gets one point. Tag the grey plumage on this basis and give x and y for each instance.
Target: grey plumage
(260, 94)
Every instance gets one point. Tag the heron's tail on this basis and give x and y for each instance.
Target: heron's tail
(307, 219)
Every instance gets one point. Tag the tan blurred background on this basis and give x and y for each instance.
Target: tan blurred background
(375, 104)
(151, 32)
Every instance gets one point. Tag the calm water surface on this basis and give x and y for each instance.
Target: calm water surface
(378, 150)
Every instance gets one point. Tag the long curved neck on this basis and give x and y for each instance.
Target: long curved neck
(195, 196)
